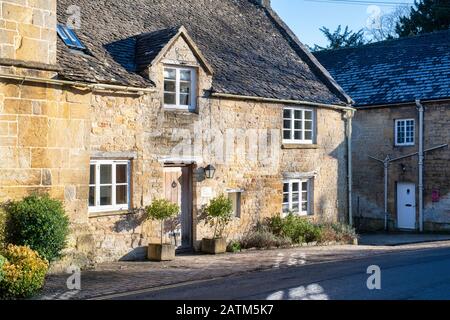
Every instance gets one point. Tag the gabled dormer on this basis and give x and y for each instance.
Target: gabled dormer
(171, 59)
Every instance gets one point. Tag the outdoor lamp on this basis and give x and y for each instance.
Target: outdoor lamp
(210, 171)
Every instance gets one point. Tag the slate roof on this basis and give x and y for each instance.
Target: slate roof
(149, 45)
(251, 51)
(393, 71)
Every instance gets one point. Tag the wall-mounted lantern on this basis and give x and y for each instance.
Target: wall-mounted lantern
(210, 171)
(403, 168)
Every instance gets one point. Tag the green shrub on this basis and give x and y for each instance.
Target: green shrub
(2, 228)
(344, 232)
(2, 263)
(234, 247)
(23, 273)
(162, 210)
(219, 214)
(262, 238)
(296, 228)
(40, 223)
(328, 234)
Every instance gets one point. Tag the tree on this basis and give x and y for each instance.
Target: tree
(384, 27)
(162, 210)
(341, 39)
(426, 16)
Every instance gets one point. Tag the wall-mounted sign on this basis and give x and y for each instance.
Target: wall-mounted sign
(207, 192)
(436, 196)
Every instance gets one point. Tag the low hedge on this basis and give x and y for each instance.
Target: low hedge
(23, 272)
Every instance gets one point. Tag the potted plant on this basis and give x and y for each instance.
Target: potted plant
(161, 210)
(218, 215)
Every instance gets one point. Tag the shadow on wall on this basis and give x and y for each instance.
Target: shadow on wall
(340, 154)
(130, 222)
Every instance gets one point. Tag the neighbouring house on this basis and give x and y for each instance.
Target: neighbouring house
(401, 90)
(108, 105)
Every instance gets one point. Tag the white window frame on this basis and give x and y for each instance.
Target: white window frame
(405, 122)
(177, 105)
(301, 191)
(303, 130)
(114, 207)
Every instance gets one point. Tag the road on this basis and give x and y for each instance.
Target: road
(417, 275)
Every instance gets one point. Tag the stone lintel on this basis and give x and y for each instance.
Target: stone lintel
(299, 175)
(114, 155)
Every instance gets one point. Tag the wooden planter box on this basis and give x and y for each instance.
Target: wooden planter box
(158, 252)
(214, 246)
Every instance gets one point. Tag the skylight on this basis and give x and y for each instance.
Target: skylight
(70, 38)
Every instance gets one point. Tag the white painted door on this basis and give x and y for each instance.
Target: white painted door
(406, 205)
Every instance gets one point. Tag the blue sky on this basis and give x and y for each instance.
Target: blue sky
(306, 17)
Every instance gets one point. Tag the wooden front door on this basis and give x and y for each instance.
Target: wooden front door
(178, 189)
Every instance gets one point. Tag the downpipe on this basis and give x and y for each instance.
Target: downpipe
(421, 110)
(349, 131)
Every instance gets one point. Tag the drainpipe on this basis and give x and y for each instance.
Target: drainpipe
(386, 192)
(349, 116)
(421, 110)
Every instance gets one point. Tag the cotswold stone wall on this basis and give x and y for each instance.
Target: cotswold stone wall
(141, 127)
(28, 30)
(253, 161)
(373, 135)
(48, 134)
(44, 144)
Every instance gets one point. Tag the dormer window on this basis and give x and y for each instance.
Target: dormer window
(179, 88)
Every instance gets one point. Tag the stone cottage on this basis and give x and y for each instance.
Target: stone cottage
(108, 105)
(401, 130)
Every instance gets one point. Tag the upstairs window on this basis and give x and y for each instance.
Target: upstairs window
(297, 197)
(298, 126)
(69, 37)
(405, 132)
(179, 88)
(109, 186)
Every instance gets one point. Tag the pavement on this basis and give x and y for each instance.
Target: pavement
(410, 275)
(396, 239)
(122, 279)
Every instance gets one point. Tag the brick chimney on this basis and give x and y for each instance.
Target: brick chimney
(28, 30)
(262, 3)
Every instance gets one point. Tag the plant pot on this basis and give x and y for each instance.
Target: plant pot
(214, 246)
(161, 252)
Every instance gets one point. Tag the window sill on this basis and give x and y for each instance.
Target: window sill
(110, 213)
(404, 146)
(290, 146)
(180, 110)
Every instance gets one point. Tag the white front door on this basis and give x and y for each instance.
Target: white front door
(406, 205)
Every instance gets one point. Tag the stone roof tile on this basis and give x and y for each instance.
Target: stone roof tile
(250, 50)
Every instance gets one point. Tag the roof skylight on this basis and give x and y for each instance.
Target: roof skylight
(69, 37)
